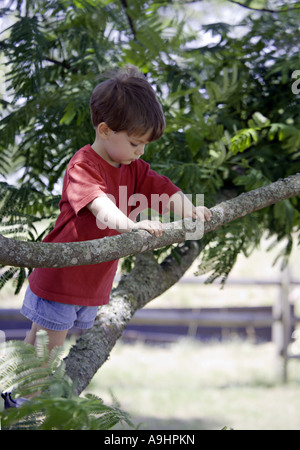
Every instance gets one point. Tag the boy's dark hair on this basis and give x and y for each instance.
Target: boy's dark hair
(127, 102)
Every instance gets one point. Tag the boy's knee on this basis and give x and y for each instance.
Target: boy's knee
(56, 338)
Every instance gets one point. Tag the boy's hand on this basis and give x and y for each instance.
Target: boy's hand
(152, 226)
(181, 205)
(202, 213)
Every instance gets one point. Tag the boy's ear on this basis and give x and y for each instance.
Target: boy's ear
(103, 130)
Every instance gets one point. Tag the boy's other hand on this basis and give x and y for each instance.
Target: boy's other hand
(152, 226)
(202, 213)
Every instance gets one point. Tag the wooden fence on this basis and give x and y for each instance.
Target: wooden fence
(277, 322)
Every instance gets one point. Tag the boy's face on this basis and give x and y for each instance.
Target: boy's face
(120, 148)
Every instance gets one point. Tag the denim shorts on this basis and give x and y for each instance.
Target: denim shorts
(57, 316)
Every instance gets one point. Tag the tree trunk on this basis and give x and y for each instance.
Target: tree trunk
(145, 282)
(149, 279)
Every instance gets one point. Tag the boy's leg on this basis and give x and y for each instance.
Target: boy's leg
(56, 338)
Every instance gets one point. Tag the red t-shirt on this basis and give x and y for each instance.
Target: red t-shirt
(89, 176)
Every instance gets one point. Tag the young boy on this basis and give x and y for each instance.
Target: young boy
(126, 116)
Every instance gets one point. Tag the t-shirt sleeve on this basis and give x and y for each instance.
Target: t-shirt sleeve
(84, 184)
(157, 188)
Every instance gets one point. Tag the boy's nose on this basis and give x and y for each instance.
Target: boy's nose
(141, 150)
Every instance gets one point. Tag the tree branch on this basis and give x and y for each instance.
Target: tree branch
(63, 63)
(272, 11)
(130, 21)
(40, 254)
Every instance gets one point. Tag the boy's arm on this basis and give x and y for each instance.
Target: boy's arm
(109, 214)
(184, 208)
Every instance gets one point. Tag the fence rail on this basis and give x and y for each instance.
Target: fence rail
(276, 322)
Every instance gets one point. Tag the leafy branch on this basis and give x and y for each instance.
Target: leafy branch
(268, 10)
(42, 254)
(54, 405)
(288, 135)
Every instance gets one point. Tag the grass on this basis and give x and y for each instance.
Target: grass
(196, 386)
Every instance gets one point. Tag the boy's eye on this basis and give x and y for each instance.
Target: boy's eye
(134, 145)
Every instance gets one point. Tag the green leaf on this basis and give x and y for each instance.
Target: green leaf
(260, 120)
(243, 140)
(69, 115)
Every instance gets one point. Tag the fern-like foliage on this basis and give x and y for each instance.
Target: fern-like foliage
(53, 404)
(22, 210)
(240, 238)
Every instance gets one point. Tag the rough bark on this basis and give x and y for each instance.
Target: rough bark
(33, 254)
(149, 279)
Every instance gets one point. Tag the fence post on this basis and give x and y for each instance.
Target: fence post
(281, 330)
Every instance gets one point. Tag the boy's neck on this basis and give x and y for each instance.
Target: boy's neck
(98, 147)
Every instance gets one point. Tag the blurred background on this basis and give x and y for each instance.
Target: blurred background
(218, 349)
